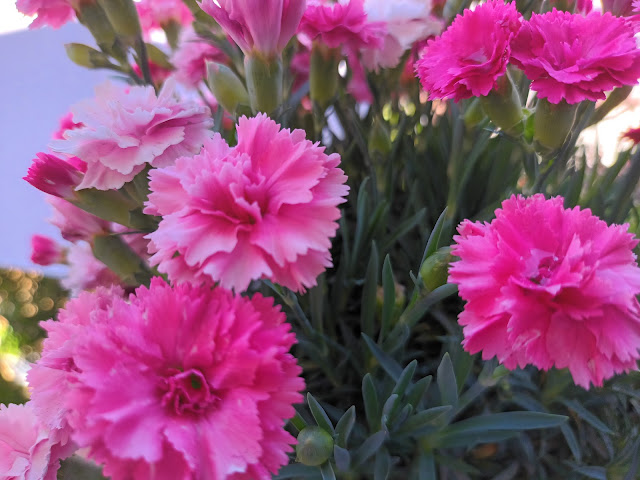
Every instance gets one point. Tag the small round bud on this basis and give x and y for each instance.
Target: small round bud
(314, 446)
(434, 270)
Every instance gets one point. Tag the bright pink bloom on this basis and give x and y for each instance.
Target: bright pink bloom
(45, 251)
(341, 25)
(210, 382)
(86, 272)
(66, 123)
(54, 175)
(550, 287)
(52, 13)
(157, 14)
(633, 134)
(262, 26)
(28, 450)
(265, 208)
(126, 128)
(468, 58)
(191, 57)
(575, 57)
(74, 223)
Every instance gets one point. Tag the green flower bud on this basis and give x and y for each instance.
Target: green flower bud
(122, 14)
(92, 16)
(226, 87)
(323, 74)
(264, 83)
(503, 106)
(552, 124)
(314, 447)
(435, 269)
(86, 56)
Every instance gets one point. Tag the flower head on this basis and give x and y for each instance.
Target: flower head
(158, 14)
(45, 251)
(56, 176)
(342, 25)
(575, 57)
(190, 59)
(468, 58)
(265, 208)
(52, 13)
(550, 286)
(28, 450)
(262, 26)
(210, 382)
(126, 128)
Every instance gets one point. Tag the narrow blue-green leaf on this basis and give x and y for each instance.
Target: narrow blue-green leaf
(319, 415)
(387, 408)
(344, 426)
(446, 378)
(382, 466)
(572, 441)
(389, 298)
(369, 292)
(512, 421)
(390, 366)
(434, 238)
(369, 447)
(586, 415)
(414, 314)
(298, 422)
(371, 405)
(427, 467)
(423, 419)
(464, 439)
(418, 390)
(405, 378)
(342, 457)
(397, 339)
(296, 471)
(597, 473)
(326, 470)
(362, 219)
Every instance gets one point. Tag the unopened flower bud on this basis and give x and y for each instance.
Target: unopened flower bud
(45, 251)
(92, 16)
(552, 124)
(264, 83)
(314, 447)
(323, 74)
(503, 106)
(86, 56)
(434, 270)
(122, 14)
(54, 175)
(225, 85)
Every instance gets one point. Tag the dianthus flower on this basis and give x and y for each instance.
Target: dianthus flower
(52, 13)
(341, 25)
(549, 286)
(28, 450)
(66, 123)
(575, 57)
(210, 382)
(633, 134)
(45, 251)
(468, 58)
(261, 26)
(158, 14)
(265, 208)
(126, 128)
(190, 59)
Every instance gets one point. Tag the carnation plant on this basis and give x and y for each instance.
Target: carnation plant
(338, 240)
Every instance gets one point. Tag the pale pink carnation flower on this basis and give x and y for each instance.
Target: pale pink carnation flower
(261, 26)
(74, 223)
(191, 56)
(341, 25)
(126, 128)
(573, 57)
(28, 450)
(45, 250)
(86, 272)
(407, 21)
(266, 208)
(157, 14)
(52, 13)
(550, 286)
(210, 382)
(468, 58)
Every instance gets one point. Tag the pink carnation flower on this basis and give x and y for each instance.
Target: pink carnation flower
(28, 450)
(342, 25)
(66, 123)
(265, 208)
(56, 176)
(191, 56)
(126, 128)
(45, 251)
(52, 13)
(574, 57)
(210, 382)
(633, 134)
(157, 14)
(468, 58)
(263, 26)
(550, 287)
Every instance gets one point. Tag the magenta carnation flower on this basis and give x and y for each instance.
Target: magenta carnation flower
(45, 250)
(157, 14)
(265, 208)
(468, 58)
(575, 57)
(263, 26)
(52, 13)
(550, 286)
(125, 128)
(209, 382)
(28, 450)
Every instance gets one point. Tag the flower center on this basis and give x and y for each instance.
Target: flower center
(546, 266)
(187, 392)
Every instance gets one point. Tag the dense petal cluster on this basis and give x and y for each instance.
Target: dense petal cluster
(52, 13)
(550, 286)
(190, 59)
(156, 14)
(28, 450)
(468, 58)
(574, 57)
(265, 208)
(342, 25)
(264, 26)
(126, 128)
(209, 382)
